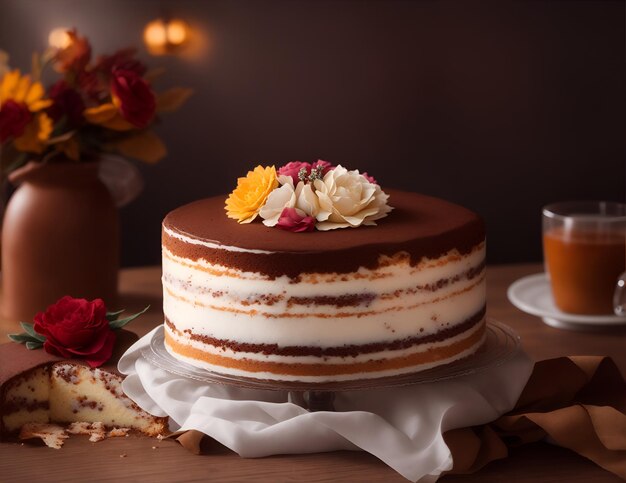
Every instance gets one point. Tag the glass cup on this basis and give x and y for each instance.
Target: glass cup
(584, 246)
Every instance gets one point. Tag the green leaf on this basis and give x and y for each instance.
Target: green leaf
(118, 324)
(31, 331)
(111, 316)
(21, 338)
(30, 341)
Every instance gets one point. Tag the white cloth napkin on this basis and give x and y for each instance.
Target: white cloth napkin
(402, 426)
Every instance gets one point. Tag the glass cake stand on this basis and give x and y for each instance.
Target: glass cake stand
(501, 344)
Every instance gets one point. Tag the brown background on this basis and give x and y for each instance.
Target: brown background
(502, 106)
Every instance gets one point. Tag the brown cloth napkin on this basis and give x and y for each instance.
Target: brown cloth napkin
(575, 402)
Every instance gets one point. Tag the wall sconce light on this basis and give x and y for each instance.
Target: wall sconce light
(59, 38)
(165, 36)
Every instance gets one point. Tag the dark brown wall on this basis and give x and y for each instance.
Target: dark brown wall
(501, 106)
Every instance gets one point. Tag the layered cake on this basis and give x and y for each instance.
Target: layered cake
(404, 294)
(37, 387)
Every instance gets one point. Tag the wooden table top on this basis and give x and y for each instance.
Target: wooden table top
(138, 458)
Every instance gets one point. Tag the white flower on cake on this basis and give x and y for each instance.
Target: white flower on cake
(278, 200)
(348, 199)
(337, 199)
(302, 198)
(307, 200)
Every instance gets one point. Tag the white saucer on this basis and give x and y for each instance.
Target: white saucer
(532, 295)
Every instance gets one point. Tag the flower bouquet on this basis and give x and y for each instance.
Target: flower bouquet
(102, 105)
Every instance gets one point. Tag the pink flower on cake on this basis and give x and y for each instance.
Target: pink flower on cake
(292, 219)
(369, 178)
(77, 328)
(326, 166)
(348, 199)
(292, 169)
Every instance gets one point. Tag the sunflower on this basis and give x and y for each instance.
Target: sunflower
(20, 103)
(21, 89)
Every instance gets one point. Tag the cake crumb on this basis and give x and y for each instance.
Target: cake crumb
(123, 455)
(96, 431)
(97, 436)
(154, 447)
(118, 432)
(51, 434)
(79, 428)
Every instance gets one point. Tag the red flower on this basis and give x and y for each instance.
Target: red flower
(123, 59)
(68, 103)
(75, 56)
(93, 87)
(77, 328)
(14, 116)
(134, 97)
(292, 219)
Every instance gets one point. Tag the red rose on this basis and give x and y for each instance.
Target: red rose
(77, 328)
(67, 102)
(123, 59)
(133, 96)
(14, 116)
(292, 219)
(93, 87)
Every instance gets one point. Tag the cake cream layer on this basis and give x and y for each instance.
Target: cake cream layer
(419, 357)
(379, 322)
(390, 303)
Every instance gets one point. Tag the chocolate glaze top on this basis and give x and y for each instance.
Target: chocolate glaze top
(419, 225)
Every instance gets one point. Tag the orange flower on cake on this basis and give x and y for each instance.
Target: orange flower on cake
(21, 103)
(245, 202)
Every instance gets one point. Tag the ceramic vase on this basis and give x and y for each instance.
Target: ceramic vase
(60, 237)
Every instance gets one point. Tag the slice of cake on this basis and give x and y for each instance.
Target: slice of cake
(80, 393)
(36, 387)
(260, 302)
